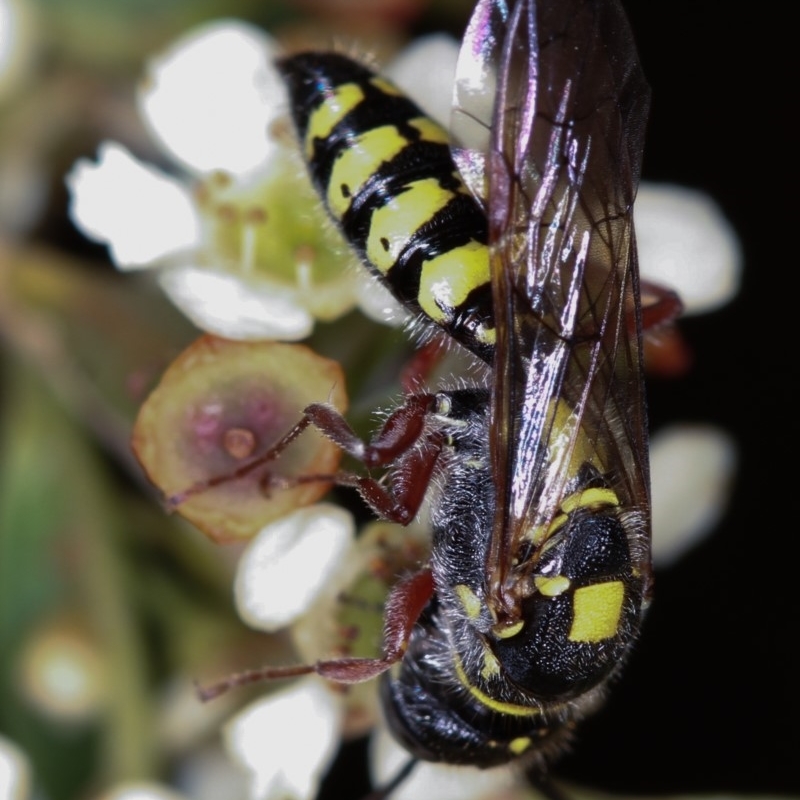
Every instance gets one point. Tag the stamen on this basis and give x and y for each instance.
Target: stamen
(239, 443)
(304, 265)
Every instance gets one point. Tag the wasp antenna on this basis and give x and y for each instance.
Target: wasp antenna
(384, 791)
(206, 693)
(543, 784)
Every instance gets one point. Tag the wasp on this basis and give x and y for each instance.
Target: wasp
(516, 241)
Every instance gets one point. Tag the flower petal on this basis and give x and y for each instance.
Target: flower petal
(139, 212)
(211, 97)
(378, 303)
(287, 740)
(141, 790)
(15, 772)
(227, 305)
(289, 562)
(207, 773)
(685, 243)
(425, 70)
(692, 468)
(17, 43)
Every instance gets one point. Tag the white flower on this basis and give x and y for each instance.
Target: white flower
(692, 468)
(685, 243)
(245, 251)
(17, 43)
(15, 772)
(212, 96)
(287, 565)
(141, 790)
(287, 740)
(142, 214)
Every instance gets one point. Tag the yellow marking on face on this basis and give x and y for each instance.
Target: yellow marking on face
(491, 666)
(429, 130)
(551, 586)
(519, 745)
(487, 335)
(496, 705)
(393, 225)
(596, 611)
(332, 111)
(387, 87)
(359, 162)
(590, 498)
(470, 602)
(447, 279)
(507, 631)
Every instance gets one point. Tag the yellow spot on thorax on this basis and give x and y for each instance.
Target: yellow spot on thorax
(590, 498)
(491, 666)
(519, 745)
(551, 586)
(335, 108)
(596, 611)
(470, 602)
(507, 631)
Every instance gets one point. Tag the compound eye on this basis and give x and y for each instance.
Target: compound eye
(578, 622)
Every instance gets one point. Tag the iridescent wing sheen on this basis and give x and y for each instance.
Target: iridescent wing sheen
(559, 175)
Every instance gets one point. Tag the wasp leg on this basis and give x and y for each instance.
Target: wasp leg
(402, 443)
(545, 786)
(660, 306)
(406, 602)
(665, 351)
(173, 501)
(419, 368)
(398, 435)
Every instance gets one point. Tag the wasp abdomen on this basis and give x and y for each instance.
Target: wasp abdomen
(388, 179)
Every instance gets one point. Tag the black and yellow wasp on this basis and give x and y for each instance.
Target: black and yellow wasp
(518, 242)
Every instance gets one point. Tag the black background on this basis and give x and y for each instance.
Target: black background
(709, 700)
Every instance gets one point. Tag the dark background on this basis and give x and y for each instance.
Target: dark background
(709, 700)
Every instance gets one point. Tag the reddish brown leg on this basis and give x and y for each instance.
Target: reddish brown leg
(399, 433)
(270, 455)
(419, 368)
(401, 442)
(406, 602)
(665, 352)
(660, 306)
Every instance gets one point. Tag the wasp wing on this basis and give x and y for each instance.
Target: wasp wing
(560, 176)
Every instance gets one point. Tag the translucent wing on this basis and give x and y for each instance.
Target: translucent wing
(560, 175)
(475, 92)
